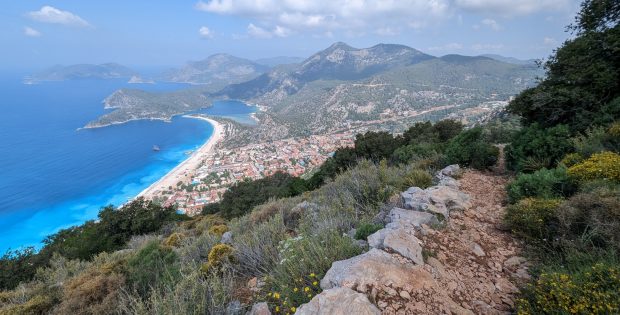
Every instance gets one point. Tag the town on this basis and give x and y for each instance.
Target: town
(222, 168)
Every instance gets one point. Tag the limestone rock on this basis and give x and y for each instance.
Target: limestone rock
(373, 268)
(477, 250)
(514, 262)
(451, 171)
(227, 238)
(259, 309)
(404, 243)
(338, 301)
(375, 240)
(402, 217)
(436, 199)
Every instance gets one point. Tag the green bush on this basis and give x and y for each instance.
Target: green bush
(366, 229)
(533, 219)
(417, 178)
(591, 220)
(153, 265)
(470, 149)
(534, 147)
(590, 290)
(543, 183)
(414, 152)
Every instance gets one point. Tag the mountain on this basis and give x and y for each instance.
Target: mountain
(338, 62)
(280, 60)
(83, 71)
(510, 59)
(342, 87)
(220, 69)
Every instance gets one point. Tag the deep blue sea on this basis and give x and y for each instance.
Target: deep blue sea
(54, 175)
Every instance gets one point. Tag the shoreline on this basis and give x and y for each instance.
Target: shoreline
(181, 171)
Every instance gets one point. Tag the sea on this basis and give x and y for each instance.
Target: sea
(54, 175)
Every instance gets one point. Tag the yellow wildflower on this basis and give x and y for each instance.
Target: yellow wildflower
(293, 309)
(306, 289)
(295, 289)
(312, 275)
(315, 283)
(276, 295)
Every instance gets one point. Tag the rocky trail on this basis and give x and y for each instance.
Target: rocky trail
(442, 251)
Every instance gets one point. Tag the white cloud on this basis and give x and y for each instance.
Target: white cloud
(512, 7)
(387, 31)
(321, 16)
(31, 32)
(492, 24)
(258, 32)
(49, 14)
(205, 32)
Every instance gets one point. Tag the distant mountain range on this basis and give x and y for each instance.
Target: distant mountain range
(336, 88)
(219, 69)
(83, 71)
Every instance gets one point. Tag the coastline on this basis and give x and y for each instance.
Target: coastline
(182, 172)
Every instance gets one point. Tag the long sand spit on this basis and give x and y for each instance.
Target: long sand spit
(183, 171)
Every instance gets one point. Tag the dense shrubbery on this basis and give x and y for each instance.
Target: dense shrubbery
(470, 149)
(603, 166)
(534, 147)
(543, 183)
(111, 232)
(243, 196)
(592, 289)
(534, 219)
(571, 118)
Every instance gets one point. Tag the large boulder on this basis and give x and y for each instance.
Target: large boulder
(437, 199)
(449, 171)
(374, 268)
(338, 301)
(399, 217)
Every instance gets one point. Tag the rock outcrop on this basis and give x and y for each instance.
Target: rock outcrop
(339, 301)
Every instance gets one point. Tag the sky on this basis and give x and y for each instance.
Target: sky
(37, 34)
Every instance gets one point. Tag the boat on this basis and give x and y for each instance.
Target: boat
(156, 148)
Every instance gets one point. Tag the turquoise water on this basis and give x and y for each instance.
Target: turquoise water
(53, 175)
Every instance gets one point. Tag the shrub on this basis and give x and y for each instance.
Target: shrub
(92, 292)
(174, 240)
(414, 152)
(218, 230)
(543, 183)
(591, 290)
(153, 265)
(533, 219)
(366, 229)
(287, 302)
(219, 254)
(571, 159)
(469, 149)
(303, 255)
(591, 219)
(40, 304)
(604, 165)
(418, 178)
(546, 146)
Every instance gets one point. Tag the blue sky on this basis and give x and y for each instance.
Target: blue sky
(36, 34)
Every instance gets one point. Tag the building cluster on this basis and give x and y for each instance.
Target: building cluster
(221, 168)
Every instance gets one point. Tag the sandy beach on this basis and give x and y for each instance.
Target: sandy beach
(183, 171)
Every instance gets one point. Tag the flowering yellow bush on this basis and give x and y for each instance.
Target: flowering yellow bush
(218, 229)
(219, 254)
(174, 240)
(290, 298)
(604, 165)
(595, 290)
